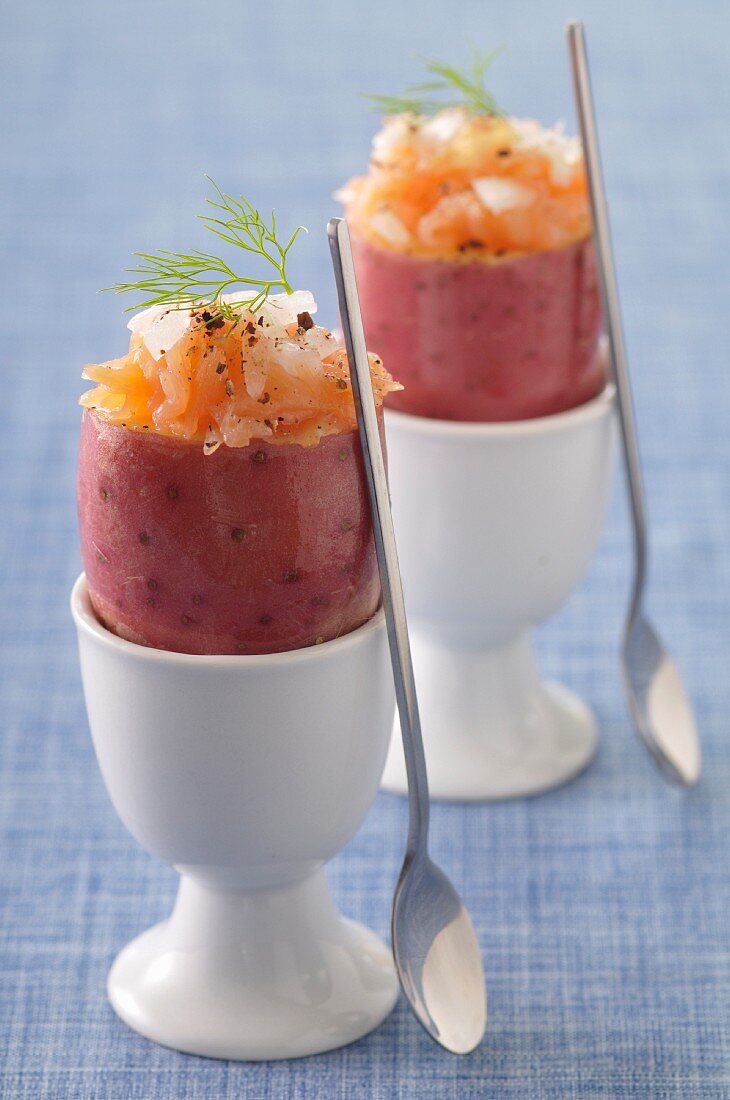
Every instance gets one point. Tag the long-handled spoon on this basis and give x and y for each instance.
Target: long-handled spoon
(436, 951)
(659, 706)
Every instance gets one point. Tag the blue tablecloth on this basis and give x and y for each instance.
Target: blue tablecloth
(602, 908)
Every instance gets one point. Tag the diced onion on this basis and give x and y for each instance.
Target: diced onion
(161, 327)
(564, 152)
(499, 194)
(390, 228)
(281, 309)
(395, 132)
(443, 126)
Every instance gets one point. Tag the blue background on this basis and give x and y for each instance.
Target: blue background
(602, 908)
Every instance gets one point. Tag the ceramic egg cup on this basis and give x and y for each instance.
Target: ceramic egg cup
(246, 774)
(496, 525)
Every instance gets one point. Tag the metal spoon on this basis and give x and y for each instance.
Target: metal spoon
(436, 951)
(659, 706)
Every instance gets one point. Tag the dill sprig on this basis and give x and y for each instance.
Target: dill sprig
(468, 86)
(198, 279)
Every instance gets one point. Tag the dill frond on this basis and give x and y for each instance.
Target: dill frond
(199, 279)
(469, 88)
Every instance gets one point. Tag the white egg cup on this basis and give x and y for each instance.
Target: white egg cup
(496, 525)
(246, 774)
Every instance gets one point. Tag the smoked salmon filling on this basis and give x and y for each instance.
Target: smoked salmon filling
(470, 186)
(195, 375)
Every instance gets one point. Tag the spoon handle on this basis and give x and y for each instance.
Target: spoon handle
(390, 578)
(610, 298)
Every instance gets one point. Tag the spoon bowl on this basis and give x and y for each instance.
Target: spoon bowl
(437, 956)
(660, 708)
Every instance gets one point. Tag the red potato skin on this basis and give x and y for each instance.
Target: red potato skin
(477, 341)
(257, 549)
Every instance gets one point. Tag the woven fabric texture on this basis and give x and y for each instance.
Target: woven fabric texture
(602, 908)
